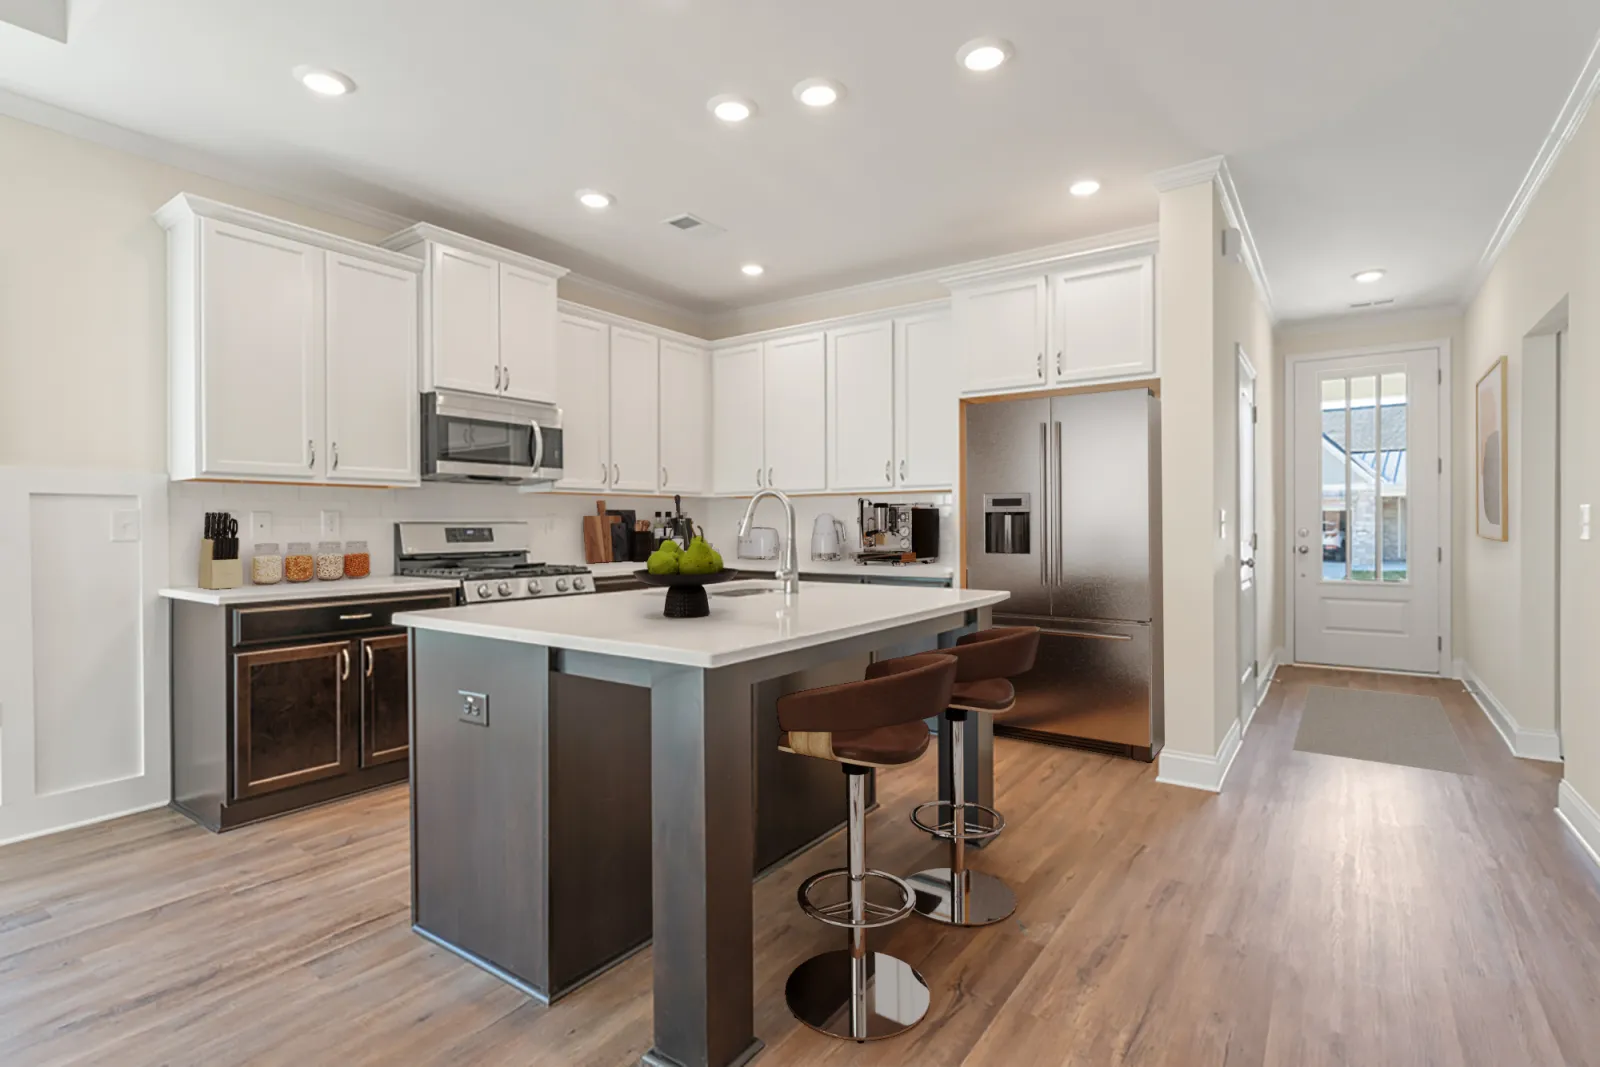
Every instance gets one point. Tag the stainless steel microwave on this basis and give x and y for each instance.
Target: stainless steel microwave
(468, 438)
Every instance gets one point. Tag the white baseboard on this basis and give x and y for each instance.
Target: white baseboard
(1524, 743)
(1581, 819)
(1194, 770)
(1263, 684)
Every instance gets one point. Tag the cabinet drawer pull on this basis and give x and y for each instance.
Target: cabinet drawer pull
(1041, 366)
(368, 650)
(312, 446)
(758, 477)
(335, 452)
(506, 385)
(352, 618)
(770, 480)
(902, 470)
(663, 477)
(344, 656)
(616, 474)
(497, 377)
(886, 465)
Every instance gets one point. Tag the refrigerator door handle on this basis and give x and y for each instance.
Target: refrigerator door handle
(1044, 504)
(1058, 562)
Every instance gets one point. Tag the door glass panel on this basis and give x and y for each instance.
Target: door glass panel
(1335, 479)
(1393, 428)
(1362, 484)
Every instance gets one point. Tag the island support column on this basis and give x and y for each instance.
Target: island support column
(703, 850)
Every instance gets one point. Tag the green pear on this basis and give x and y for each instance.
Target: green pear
(663, 562)
(671, 548)
(698, 560)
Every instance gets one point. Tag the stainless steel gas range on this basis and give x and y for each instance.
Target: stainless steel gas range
(490, 559)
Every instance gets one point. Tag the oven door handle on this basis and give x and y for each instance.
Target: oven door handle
(538, 446)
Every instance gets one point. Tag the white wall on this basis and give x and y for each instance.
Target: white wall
(1554, 257)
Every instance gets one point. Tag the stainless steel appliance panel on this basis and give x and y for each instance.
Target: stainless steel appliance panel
(1100, 516)
(1091, 686)
(487, 439)
(1007, 453)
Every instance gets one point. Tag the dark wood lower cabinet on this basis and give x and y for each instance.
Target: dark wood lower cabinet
(277, 707)
(385, 700)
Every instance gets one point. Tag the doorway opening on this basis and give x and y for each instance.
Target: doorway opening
(1539, 472)
(1249, 654)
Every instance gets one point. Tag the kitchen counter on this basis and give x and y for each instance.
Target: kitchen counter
(377, 585)
(934, 572)
(558, 826)
(740, 627)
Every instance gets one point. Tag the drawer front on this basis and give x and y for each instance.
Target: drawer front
(329, 619)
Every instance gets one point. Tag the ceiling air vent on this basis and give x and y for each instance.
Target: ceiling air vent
(687, 223)
(1374, 303)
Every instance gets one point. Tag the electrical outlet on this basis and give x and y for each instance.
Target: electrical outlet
(474, 707)
(260, 526)
(125, 525)
(332, 524)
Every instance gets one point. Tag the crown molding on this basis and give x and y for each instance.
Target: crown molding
(838, 322)
(186, 206)
(665, 307)
(1568, 120)
(1214, 169)
(611, 318)
(419, 232)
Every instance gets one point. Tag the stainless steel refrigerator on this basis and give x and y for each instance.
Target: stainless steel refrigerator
(1063, 499)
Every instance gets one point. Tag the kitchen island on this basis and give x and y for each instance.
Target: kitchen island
(531, 832)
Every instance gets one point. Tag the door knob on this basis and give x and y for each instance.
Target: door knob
(1304, 549)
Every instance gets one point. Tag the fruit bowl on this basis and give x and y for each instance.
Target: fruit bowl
(686, 595)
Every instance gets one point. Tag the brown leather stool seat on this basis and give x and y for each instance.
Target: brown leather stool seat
(876, 722)
(987, 660)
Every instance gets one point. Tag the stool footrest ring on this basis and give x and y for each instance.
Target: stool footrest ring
(946, 829)
(839, 914)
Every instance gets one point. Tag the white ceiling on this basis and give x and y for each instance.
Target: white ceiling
(1362, 133)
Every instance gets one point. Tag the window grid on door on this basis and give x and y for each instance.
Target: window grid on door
(1365, 528)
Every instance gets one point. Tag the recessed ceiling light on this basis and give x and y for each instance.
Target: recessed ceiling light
(1367, 277)
(753, 270)
(594, 198)
(818, 92)
(730, 108)
(1087, 187)
(324, 82)
(984, 54)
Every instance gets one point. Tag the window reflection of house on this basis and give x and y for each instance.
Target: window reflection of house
(1377, 471)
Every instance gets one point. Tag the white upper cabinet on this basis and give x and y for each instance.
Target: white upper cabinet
(372, 372)
(490, 315)
(1103, 322)
(292, 354)
(634, 411)
(464, 295)
(794, 370)
(861, 408)
(1002, 332)
(738, 463)
(527, 334)
(685, 425)
(927, 406)
(583, 389)
(260, 354)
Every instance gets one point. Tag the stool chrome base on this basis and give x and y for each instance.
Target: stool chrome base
(859, 999)
(984, 899)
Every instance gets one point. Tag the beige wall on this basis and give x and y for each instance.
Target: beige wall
(1356, 332)
(1553, 257)
(1207, 308)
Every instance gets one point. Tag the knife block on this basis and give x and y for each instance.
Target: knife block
(219, 573)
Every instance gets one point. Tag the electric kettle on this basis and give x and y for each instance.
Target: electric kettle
(827, 538)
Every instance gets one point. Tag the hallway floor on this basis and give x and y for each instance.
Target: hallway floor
(1319, 911)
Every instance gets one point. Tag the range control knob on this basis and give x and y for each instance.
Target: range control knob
(579, 583)
(504, 589)
(561, 585)
(533, 587)
(483, 592)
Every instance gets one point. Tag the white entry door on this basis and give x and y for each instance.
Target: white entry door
(1367, 499)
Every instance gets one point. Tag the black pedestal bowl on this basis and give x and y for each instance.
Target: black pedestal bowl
(686, 594)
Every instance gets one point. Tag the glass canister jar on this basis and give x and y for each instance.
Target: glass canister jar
(266, 565)
(330, 561)
(357, 561)
(299, 565)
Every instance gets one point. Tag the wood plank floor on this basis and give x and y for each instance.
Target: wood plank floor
(1320, 911)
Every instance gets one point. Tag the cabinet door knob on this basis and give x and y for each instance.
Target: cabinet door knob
(344, 657)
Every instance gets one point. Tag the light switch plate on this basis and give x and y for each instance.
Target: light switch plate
(474, 707)
(260, 526)
(332, 524)
(1583, 522)
(125, 524)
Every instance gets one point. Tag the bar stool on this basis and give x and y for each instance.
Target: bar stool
(852, 993)
(954, 894)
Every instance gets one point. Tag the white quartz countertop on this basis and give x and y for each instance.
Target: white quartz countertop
(928, 572)
(377, 585)
(739, 628)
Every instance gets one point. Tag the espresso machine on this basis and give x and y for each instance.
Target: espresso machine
(897, 533)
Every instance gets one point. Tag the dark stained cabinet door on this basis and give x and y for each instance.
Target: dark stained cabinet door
(294, 719)
(385, 700)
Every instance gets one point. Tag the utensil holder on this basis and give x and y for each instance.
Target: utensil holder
(219, 573)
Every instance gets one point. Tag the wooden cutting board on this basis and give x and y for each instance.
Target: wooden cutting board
(597, 535)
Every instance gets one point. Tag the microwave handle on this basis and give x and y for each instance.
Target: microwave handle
(538, 446)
